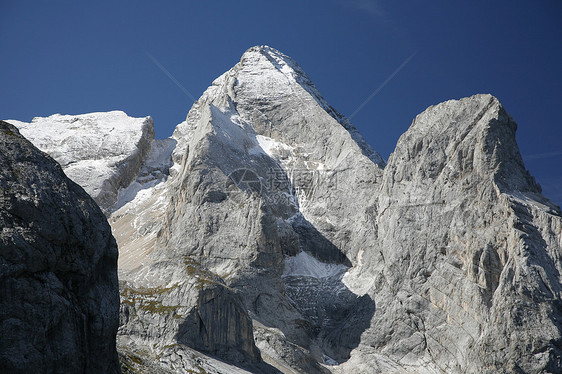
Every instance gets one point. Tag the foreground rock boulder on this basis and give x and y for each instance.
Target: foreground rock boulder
(59, 298)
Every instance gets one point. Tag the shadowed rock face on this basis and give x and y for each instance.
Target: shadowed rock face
(59, 296)
(218, 323)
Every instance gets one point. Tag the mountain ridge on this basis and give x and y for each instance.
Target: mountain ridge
(269, 202)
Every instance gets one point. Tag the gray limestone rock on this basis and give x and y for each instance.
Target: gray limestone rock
(254, 176)
(59, 296)
(465, 274)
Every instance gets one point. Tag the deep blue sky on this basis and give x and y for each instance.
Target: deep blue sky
(76, 57)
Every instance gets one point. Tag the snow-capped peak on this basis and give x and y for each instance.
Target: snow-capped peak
(283, 63)
(101, 151)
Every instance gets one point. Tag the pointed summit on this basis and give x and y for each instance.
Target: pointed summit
(263, 123)
(279, 60)
(266, 79)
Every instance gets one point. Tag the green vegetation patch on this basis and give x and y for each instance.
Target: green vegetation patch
(149, 299)
(202, 276)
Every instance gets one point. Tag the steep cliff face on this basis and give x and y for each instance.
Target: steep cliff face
(269, 113)
(465, 271)
(102, 152)
(59, 298)
(256, 167)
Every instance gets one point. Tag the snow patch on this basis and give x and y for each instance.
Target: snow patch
(160, 155)
(229, 126)
(154, 172)
(92, 136)
(303, 264)
(135, 191)
(98, 151)
(270, 146)
(530, 199)
(355, 281)
(327, 360)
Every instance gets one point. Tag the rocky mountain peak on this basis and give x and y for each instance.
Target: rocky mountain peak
(265, 79)
(262, 59)
(457, 207)
(471, 134)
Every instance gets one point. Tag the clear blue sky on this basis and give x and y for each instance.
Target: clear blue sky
(76, 57)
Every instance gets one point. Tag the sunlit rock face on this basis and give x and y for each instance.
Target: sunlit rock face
(465, 271)
(59, 298)
(102, 152)
(255, 172)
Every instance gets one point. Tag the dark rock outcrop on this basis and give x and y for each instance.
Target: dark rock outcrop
(218, 323)
(59, 296)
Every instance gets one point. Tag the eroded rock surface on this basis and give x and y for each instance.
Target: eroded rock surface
(59, 297)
